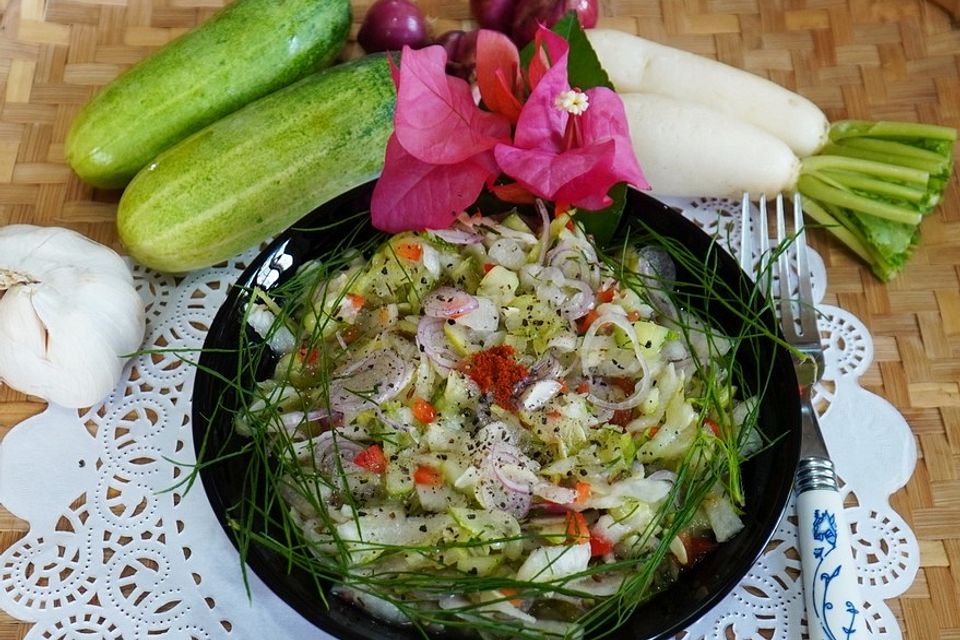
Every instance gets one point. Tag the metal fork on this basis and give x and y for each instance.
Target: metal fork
(831, 591)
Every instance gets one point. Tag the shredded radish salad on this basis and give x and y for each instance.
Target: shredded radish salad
(492, 426)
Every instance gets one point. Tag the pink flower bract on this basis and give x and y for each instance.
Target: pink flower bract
(445, 148)
(543, 160)
(498, 74)
(441, 152)
(416, 195)
(437, 120)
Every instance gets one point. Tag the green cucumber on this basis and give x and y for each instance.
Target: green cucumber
(245, 51)
(252, 174)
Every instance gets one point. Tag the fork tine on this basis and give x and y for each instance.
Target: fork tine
(764, 232)
(808, 316)
(746, 242)
(783, 266)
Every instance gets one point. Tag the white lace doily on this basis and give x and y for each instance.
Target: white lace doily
(118, 548)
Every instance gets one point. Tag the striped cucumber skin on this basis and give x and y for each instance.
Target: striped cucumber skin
(252, 174)
(245, 51)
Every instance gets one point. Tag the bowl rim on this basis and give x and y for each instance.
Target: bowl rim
(341, 619)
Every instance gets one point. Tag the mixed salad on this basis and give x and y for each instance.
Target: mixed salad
(492, 424)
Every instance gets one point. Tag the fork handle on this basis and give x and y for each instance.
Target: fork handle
(830, 588)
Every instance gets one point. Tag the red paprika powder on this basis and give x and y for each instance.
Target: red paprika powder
(496, 371)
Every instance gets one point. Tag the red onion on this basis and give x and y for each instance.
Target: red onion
(384, 371)
(432, 341)
(461, 48)
(494, 496)
(494, 14)
(547, 367)
(497, 488)
(448, 303)
(391, 24)
(530, 13)
(326, 447)
(503, 456)
(508, 481)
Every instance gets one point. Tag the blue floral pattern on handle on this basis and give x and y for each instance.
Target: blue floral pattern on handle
(825, 530)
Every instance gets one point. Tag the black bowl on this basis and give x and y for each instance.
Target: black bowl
(767, 477)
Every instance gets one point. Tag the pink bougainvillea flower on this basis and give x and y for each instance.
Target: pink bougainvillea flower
(548, 48)
(498, 74)
(414, 195)
(441, 152)
(436, 119)
(571, 146)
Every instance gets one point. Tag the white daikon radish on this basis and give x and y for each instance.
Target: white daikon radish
(686, 148)
(636, 65)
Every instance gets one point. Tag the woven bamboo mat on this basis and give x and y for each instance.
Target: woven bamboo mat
(887, 59)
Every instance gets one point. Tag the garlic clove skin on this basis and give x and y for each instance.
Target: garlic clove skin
(69, 314)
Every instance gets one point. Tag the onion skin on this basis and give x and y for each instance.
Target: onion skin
(530, 14)
(461, 48)
(389, 25)
(494, 14)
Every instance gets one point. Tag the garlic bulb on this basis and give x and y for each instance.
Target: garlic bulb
(69, 313)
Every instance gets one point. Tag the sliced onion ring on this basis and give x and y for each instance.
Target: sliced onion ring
(448, 302)
(432, 341)
(642, 385)
(580, 303)
(324, 447)
(382, 370)
(500, 456)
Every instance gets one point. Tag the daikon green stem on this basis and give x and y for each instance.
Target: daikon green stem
(884, 129)
(812, 186)
(873, 185)
(900, 174)
(894, 148)
(836, 227)
(849, 151)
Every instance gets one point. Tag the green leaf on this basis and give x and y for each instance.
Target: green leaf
(583, 66)
(602, 225)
